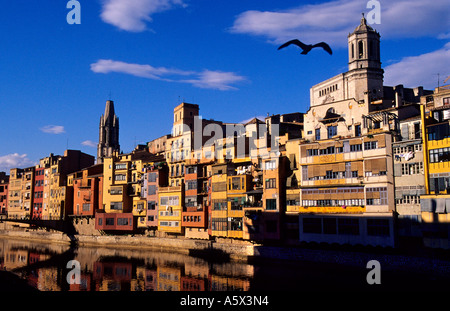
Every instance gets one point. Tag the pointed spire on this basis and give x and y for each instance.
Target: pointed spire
(109, 109)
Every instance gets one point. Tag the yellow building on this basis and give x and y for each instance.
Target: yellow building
(15, 193)
(237, 187)
(170, 209)
(219, 205)
(435, 204)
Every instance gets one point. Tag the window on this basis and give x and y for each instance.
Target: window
(86, 207)
(376, 196)
(360, 49)
(369, 145)
(219, 205)
(235, 183)
(191, 170)
(152, 177)
(412, 168)
(219, 224)
(120, 177)
(151, 205)
(116, 205)
(191, 185)
(328, 150)
(358, 130)
(348, 226)
(332, 130)
(312, 152)
(439, 132)
(151, 190)
(122, 221)
(120, 166)
(312, 225)
(446, 101)
(439, 155)
(354, 148)
(271, 183)
(270, 165)
(271, 204)
(317, 132)
(378, 227)
(116, 190)
(329, 225)
(109, 221)
(236, 223)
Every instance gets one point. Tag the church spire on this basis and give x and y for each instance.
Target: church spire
(108, 141)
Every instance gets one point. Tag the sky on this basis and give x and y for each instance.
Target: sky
(150, 55)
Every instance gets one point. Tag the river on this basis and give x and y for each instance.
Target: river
(42, 266)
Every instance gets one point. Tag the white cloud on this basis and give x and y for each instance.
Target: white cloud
(419, 70)
(205, 79)
(215, 80)
(132, 15)
(14, 160)
(333, 21)
(143, 71)
(53, 129)
(89, 143)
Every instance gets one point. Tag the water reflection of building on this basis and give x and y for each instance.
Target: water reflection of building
(226, 283)
(168, 278)
(146, 279)
(121, 270)
(112, 276)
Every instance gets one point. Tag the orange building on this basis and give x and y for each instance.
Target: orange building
(87, 190)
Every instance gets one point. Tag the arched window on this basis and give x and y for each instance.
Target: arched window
(360, 49)
(331, 110)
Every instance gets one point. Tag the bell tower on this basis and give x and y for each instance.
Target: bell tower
(108, 141)
(365, 74)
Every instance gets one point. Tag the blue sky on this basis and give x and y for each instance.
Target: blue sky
(149, 55)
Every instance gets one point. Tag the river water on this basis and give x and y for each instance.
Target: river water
(43, 266)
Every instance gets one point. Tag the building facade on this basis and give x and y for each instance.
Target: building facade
(4, 184)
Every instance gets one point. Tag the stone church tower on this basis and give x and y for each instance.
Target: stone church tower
(364, 66)
(108, 141)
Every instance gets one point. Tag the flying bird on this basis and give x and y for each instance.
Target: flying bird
(307, 47)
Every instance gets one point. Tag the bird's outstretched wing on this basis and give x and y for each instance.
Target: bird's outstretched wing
(325, 46)
(296, 42)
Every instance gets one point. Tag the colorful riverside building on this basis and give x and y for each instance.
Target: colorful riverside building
(57, 193)
(196, 202)
(87, 187)
(155, 175)
(15, 193)
(38, 192)
(345, 167)
(435, 204)
(4, 183)
(123, 176)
